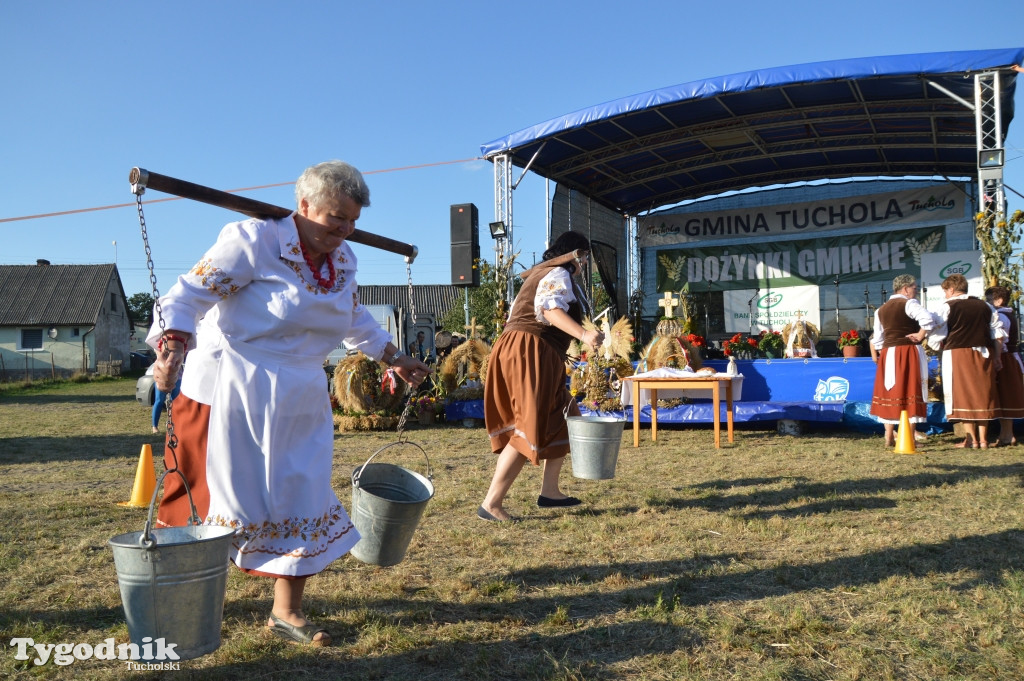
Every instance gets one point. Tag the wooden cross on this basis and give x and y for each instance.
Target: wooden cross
(669, 303)
(472, 328)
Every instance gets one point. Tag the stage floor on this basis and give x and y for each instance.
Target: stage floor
(825, 390)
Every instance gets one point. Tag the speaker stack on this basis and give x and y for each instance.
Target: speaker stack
(465, 245)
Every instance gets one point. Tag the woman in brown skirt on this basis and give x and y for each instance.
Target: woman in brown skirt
(1009, 379)
(970, 338)
(525, 396)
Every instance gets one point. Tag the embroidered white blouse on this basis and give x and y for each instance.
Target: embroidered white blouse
(254, 286)
(555, 290)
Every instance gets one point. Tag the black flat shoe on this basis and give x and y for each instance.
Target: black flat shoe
(483, 514)
(548, 502)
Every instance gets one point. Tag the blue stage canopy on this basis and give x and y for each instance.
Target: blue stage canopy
(868, 117)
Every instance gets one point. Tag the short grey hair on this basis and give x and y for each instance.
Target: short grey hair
(327, 182)
(901, 281)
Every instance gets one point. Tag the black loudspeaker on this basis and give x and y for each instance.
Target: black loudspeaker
(465, 271)
(465, 224)
(465, 245)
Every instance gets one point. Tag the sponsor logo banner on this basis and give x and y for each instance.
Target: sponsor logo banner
(771, 310)
(937, 266)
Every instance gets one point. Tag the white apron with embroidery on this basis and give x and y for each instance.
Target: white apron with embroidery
(288, 521)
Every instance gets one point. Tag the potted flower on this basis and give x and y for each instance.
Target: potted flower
(849, 342)
(425, 407)
(771, 344)
(739, 347)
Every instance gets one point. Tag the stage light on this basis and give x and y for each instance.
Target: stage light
(498, 230)
(990, 158)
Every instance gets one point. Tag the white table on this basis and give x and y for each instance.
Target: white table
(653, 383)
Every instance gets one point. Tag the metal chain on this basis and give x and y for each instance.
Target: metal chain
(412, 302)
(409, 395)
(172, 438)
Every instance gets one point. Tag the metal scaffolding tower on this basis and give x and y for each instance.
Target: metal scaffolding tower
(988, 118)
(503, 213)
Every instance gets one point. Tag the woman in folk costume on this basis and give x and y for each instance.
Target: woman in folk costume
(901, 378)
(525, 394)
(970, 337)
(255, 435)
(1009, 379)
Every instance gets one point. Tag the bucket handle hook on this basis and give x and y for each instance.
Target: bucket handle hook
(146, 541)
(359, 471)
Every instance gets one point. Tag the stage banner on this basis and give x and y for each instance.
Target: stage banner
(781, 264)
(772, 310)
(935, 267)
(895, 209)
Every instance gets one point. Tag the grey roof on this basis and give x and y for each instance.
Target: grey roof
(436, 299)
(48, 295)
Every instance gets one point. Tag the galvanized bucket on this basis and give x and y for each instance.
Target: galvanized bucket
(387, 504)
(173, 582)
(594, 446)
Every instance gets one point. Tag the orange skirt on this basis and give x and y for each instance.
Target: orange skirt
(524, 397)
(191, 421)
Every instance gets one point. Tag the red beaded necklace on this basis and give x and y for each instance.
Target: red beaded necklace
(324, 283)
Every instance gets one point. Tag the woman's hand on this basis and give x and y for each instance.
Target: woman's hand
(169, 358)
(592, 337)
(411, 370)
(918, 337)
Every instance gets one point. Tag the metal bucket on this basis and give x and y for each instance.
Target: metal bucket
(173, 582)
(594, 446)
(387, 503)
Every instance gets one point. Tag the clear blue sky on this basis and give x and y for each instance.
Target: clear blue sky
(242, 94)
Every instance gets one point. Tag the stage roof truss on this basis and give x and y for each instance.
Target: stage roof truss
(903, 116)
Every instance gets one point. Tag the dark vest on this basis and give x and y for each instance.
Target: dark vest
(896, 324)
(524, 318)
(968, 324)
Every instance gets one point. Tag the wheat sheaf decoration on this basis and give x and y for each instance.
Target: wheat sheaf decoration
(358, 386)
(467, 362)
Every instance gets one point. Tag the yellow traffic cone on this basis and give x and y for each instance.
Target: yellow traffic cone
(145, 480)
(905, 437)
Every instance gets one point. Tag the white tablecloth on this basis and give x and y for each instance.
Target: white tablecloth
(626, 390)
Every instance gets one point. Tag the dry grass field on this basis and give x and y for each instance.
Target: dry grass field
(816, 557)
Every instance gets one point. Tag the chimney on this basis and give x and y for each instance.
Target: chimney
(40, 262)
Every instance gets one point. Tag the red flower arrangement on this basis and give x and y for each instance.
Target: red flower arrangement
(847, 338)
(736, 344)
(695, 340)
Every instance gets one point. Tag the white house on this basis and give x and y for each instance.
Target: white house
(56, 320)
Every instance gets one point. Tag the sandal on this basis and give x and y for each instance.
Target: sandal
(966, 444)
(301, 635)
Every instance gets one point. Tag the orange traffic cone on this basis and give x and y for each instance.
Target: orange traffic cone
(145, 481)
(905, 437)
